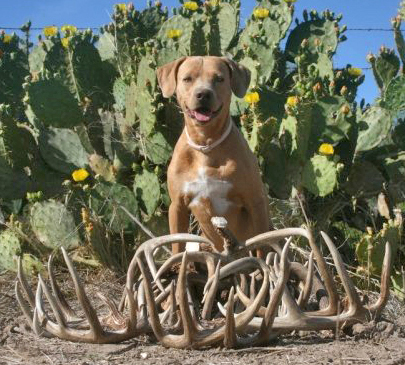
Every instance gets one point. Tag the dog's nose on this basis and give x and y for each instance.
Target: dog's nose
(203, 94)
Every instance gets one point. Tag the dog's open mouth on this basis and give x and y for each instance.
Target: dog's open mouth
(203, 115)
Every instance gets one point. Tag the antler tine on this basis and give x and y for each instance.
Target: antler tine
(132, 308)
(326, 277)
(152, 310)
(115, 318)
(242, 319)
(40, 317)
(88, 309)
(173, 305)
(306, 291)
(210, 295)
(141, 299)
(270, 237)
(60, 318)
(23, 304)
(238, 265)
(230, 339)
(378, 306)
(189, 326)
(263, 335)
(59, 297)
(23, 281)
(252, 289)
(354, 300)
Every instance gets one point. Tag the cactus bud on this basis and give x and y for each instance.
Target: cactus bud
(67, 183)
(344, 90)
(339, 167)
(317, 42)
(343, 38)
(305, 15)
(339, 74)
(345, 109)
(317, 88)
(304, 43)
(370, 58)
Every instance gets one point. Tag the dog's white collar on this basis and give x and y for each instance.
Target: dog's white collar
(209, 147)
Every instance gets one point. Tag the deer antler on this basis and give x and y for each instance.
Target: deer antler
(160, 301)
(69, 327)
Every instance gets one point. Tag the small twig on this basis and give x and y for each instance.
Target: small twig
(256, 349)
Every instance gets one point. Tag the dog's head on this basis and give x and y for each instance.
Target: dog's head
(203, 85)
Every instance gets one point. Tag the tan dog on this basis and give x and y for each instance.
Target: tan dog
(213, 172)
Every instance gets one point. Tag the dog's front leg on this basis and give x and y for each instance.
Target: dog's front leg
(178, 222)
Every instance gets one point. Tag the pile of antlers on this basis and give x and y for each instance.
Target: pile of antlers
(228, 298)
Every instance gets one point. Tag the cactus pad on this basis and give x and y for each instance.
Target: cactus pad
(374, 126)
(320, 175)
(105, 201)
(53, 104)
(62, 149)
(10, 246)
(147, 188)
(53, 225)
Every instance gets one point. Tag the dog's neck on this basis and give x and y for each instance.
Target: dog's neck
(206, 138)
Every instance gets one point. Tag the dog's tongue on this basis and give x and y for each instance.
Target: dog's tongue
(201, 116)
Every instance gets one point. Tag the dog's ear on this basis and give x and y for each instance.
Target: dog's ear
(240, 77)
(167, 77)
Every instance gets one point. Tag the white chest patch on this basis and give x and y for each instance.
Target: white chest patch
(205, 187)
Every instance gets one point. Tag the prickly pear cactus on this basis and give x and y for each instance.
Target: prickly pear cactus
(374, 126)
(53, 225)
(394, 96)
(53, 104)
(370, 250)
(320, 175)
(147, 189)
(62, 149)
(364, 179)
(105, 201)
(319, 33)
(120, 89)
(10, 248)
(13, 69)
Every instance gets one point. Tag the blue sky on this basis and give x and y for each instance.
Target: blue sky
(356, 14)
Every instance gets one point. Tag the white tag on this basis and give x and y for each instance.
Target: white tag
(192, 246)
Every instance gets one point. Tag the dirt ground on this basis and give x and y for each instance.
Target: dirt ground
(380, 343)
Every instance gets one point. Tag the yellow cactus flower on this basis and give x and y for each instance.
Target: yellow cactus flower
(353, 71)
(80, 175)
(65, 42)
(121, 7)
(261, 13)
(191, 5)
(326, 149)
(174, 33)
(292, 101)
(50, 31)
(252, 98)
(7, 38)
(71, 29)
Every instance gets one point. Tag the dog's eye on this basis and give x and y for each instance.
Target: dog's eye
(219, 78)
(187, 79)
